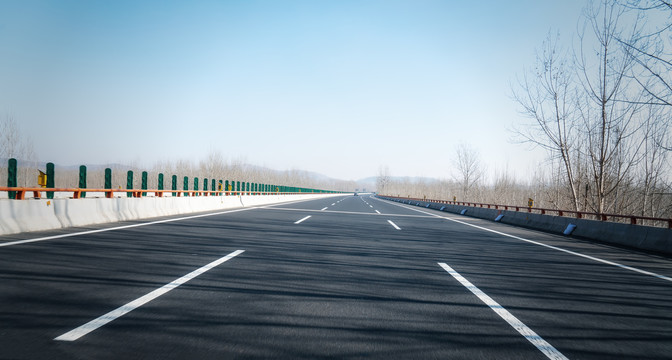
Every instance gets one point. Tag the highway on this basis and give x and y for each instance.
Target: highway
(347, 277)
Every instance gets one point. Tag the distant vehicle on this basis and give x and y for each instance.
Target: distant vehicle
(356, 194)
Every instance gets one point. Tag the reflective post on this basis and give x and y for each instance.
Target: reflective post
(82, 179)
(50, 180)
(129, 183)
(143, 184)
(11, 176)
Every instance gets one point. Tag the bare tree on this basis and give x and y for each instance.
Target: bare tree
(548, 96)
(10, 137)
(609, 107)
(383, 180)
(651, 49)
(469, 169)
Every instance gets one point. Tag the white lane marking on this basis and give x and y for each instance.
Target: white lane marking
(608, 262)
(371, 206)
(536, 340)
(324, 208)
(333, 204)
(353, 213)
(302, 220)
(92, 325)
(393, 224)
(378, 211)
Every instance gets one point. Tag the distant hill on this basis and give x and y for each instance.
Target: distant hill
(411, 179)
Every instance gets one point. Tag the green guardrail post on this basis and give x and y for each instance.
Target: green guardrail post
(174, 185)
(195, 185)
(129, 183)
(11, 176)
(143, 185)
(214, 183)
(186, 186)
(205, 184)
(82, 179)
(226, 186)
(108, 178)
(160, 183)
(237, 187)
(51, 180)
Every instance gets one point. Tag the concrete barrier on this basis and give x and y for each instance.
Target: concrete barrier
(42, 214)
(640, 237)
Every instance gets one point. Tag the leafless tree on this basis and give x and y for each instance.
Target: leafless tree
(547, 95)
(10, 138)
(610, 106)
(469, 170)
(651, 49)
(15, 144)
(383, 180)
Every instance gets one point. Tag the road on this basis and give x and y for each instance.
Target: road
(346, 277)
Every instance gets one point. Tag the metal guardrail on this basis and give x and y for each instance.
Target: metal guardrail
(136, 193)
(578, 214)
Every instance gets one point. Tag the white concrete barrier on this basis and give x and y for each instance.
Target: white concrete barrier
(18, 216)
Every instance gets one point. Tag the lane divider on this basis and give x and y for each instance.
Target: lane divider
(302, 220)
(393, 224)
(536, 340)
(92, 325)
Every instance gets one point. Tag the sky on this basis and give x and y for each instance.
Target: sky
(336, 87)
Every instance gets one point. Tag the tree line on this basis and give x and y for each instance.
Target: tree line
(14, 144)
(599, 104)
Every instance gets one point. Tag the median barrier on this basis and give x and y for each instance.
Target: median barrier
(648, 238)
(49, 214)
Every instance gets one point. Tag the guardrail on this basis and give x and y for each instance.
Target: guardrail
(578, 214)
(136, 193)
(46, 182)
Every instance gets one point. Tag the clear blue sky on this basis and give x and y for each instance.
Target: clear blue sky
(336, 87)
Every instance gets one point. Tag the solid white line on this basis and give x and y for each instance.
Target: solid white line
(378, 211)
(393, 224)
(608, 262)
(92, 325)
(302, 220)
(324, 208)
(536, 340)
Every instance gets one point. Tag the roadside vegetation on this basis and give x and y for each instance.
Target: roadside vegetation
(599, 104)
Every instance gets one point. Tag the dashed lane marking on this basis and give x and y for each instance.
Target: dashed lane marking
(92, 325)
(302, 220)
(536, 340)
(393, 224)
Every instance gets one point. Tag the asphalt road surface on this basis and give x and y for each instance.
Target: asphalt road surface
(346, 277)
